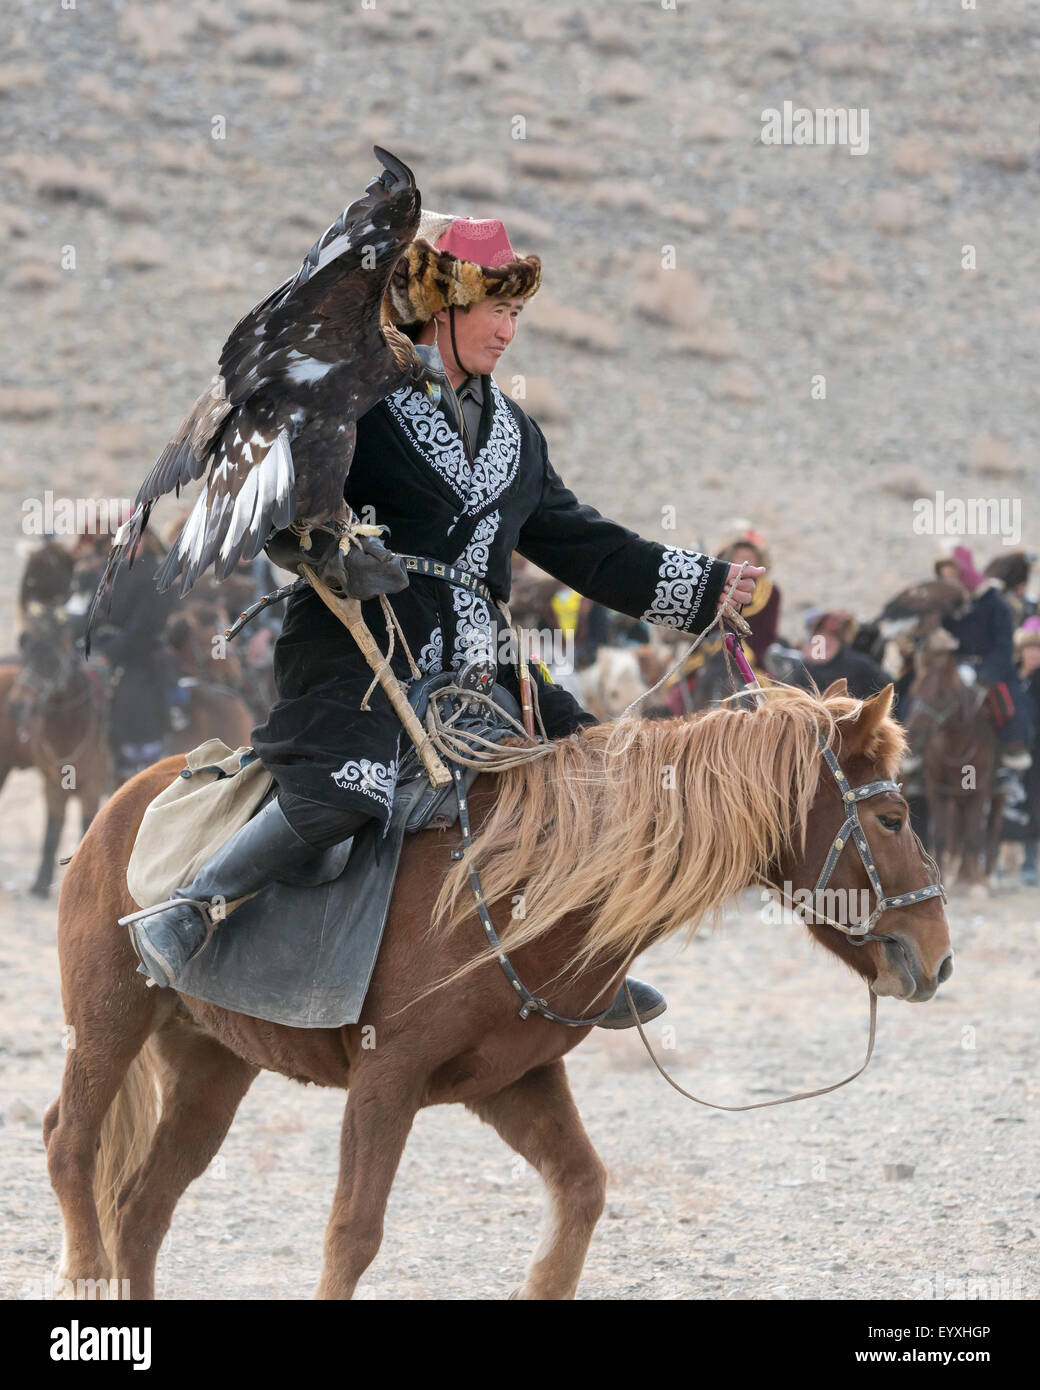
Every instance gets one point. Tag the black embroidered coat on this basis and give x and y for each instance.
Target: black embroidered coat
(411, 472)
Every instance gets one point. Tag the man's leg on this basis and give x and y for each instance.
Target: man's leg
(277, 838)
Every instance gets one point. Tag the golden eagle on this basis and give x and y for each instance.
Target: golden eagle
(275, 430)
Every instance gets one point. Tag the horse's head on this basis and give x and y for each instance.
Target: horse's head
(49, 658)
(856, 842)
(937, 692)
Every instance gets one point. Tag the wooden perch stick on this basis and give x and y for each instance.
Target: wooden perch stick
(348, 611)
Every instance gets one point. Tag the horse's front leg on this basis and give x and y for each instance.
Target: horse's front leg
(537, 1117)
(56, 801)
(381, 1107)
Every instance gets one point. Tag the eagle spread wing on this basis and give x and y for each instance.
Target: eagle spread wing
(275, 429)
(934, 597)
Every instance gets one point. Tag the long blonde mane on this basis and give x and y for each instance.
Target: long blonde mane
(650, 826)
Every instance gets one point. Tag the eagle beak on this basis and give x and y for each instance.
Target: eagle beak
(395, 173)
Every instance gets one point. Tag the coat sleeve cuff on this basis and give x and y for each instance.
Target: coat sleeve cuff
(689, 586)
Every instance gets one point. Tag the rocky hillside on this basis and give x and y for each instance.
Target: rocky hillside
(791, 334)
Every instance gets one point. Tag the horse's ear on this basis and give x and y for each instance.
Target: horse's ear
(866, 734)
(838, 687)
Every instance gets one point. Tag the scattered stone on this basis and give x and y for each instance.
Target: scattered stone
(15, 78)
(782, 47)
(739, 384)
(744, 219)
(542, 25)
(61, 180)
(98, 91)
(624, 83)
(34, 277)
(606, 33)
(894, 212)
(696, 219)
(18, 1113)
(269, 45)
(676, 297)
(713, 125)
(1011, 159)
(541, 398)
(23, 404)
(993, 457)
(158, 30)
(849, 59)
(896, 1172)
(624, 195)
(482, 60)
(121, 438)
(576, 327)
(477, 179)
(15, 223)
(915, 157)
(945, 119)
(714, 339)
(554, 162)
(838, 271)
(140, 251)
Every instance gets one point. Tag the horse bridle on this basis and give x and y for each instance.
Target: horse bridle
(852, 829)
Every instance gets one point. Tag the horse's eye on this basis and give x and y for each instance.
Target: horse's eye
(891, 822)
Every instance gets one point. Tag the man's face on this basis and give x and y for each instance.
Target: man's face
(745, 552)
(483, 332)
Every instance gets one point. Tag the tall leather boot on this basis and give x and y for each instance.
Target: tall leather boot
(253, 857)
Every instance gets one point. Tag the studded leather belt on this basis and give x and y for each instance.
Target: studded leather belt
(437, 569)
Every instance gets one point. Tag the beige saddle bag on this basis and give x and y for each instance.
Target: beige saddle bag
(218, 791)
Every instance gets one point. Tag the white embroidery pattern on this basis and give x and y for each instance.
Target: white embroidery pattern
(432, 655)
(376, 780)
(475, 484)
(678, 594)
(472, 615)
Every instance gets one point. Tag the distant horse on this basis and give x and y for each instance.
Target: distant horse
(612, 682)
(213, 708)
(948, 729)
(612, 855)
(54, 714)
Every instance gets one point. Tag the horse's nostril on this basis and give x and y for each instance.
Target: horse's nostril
(946, 969)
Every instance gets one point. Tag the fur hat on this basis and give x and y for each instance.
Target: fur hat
(456, 260)
(746, 535)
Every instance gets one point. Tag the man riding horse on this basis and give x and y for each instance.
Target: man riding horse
(463, 481)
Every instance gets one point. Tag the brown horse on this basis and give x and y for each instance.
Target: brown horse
(214, 707)
(620, 837)
(947, 726)
(54, 715)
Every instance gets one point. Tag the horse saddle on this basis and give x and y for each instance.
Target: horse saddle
(302, 952)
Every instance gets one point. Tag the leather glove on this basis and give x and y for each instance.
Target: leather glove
(361, 573)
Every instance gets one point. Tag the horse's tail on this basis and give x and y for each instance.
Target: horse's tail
(126, 1136)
